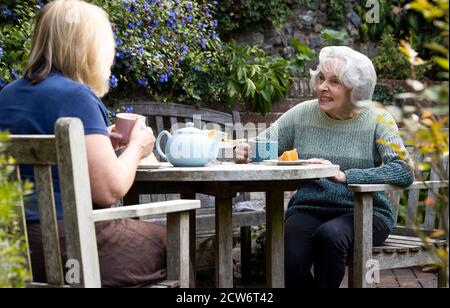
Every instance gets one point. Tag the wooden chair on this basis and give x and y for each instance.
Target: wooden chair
(67, 150)
(403, 248)
(165, 116)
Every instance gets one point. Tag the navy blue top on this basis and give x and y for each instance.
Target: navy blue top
(27, 108)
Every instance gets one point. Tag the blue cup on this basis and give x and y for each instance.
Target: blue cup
(263, 149)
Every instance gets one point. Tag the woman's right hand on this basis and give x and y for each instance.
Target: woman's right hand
(242, 153)
(142, 136)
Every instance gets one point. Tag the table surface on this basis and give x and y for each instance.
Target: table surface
(237, 172)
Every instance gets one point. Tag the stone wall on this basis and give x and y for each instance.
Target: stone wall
(305, 24)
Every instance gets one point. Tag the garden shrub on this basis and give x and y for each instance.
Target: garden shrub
(13, 261)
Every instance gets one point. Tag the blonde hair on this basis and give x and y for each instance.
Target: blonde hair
(74, 38)
(355, 70)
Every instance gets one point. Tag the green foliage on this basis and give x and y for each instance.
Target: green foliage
(332, 37)
(239, 14)
(336, 13)
(397, 20)
(390, 62)
(385, 94)
(303, 54)
(16, 22)
(256, 78)
(13, 272)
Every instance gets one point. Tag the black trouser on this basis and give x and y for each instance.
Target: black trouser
(323, 241)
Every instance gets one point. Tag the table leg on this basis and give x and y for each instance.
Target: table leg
(224, 243)
(192, 240)
(275, 239)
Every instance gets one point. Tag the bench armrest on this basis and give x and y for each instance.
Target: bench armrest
(147, 209)
(387, 187)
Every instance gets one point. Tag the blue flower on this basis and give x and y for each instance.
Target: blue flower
(113, 81)
(14, 74)
(164, 78)
(1, 53)
(142, 82)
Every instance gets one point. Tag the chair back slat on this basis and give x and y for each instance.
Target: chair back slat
(413, 198)
(33, 150)
(430, 211)
(394, 198)
(173, 124)
(49, 226)
(159, 124)
(76, 200)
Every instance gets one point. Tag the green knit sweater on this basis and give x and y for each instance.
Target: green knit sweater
(354, 146)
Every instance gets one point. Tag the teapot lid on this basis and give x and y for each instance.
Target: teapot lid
(189, 129)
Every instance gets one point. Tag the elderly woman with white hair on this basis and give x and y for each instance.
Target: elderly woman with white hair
(334, 128)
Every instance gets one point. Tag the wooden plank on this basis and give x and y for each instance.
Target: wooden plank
(192, 238)
(230, 172)
(430, 211)
(411, 238)
(399, 248)
(409, 259)
(49, 225)
(394, 198)
(76, 199)
(147, 209)
(159, 124)
(178, 110)
(224, 243)
(413, 200)
(413, 204)
(385, 187)
(362, 251)
(33, 150)
(173, 124)
(178, 260)
(275, 239)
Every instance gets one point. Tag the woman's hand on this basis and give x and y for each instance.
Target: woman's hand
(115, 138)
(142, 136)
(242, 152)
(340, 178)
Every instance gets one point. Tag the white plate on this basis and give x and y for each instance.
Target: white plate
(277, 162)
(149, 166)
(154, 166)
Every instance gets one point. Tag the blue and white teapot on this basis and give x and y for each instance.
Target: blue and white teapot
(189, 146)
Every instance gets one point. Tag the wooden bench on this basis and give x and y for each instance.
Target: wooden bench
(67, 150)
(165, 116)
(403, 248)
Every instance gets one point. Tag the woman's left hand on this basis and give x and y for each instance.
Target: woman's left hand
(115, 138)
(340, 178)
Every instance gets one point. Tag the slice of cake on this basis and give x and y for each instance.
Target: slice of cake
(289, 156)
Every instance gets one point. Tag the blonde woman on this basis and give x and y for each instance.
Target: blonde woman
(68, 71)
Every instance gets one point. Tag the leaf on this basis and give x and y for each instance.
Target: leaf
(442, 62)
(251, 88)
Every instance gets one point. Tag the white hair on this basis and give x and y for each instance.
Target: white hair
(353, 69)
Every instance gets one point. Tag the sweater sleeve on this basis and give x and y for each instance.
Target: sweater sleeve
(396, 168)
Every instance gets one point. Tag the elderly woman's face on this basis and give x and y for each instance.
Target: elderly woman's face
(334, 97)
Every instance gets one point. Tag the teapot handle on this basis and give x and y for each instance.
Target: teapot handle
(158, 144)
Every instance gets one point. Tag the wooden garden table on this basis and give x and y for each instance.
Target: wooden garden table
(224, 181)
